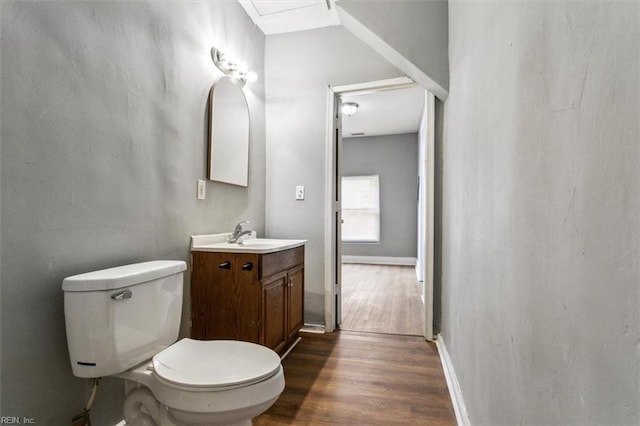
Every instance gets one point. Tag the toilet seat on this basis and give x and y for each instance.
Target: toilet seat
(214, 364)
(208, 382)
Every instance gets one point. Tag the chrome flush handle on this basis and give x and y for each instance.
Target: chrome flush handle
(122, 295)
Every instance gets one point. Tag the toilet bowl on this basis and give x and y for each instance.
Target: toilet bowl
(124, 322)
(194, 382)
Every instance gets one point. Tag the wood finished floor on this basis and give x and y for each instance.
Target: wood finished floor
(381, 299)
(353, 378)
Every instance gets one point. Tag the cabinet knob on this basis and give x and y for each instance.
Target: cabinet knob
(225, 265)
(247, 266)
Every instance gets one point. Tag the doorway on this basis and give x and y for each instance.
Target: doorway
(375, 260)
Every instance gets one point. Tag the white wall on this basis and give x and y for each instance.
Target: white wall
(541, 228)
(299, 68)
(103, 130)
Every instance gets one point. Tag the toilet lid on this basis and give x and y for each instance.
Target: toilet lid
(215, 363)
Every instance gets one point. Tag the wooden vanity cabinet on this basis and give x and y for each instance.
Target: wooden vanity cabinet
(295, 298)
(257, 298)
(274, 296)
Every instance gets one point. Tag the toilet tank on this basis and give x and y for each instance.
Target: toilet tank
(119, 317)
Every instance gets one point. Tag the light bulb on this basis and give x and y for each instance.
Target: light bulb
(252, 77)
(349, 108)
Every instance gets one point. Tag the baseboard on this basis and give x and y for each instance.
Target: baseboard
(462, 417)
(380, 260)
(284, 355)
(313, 328)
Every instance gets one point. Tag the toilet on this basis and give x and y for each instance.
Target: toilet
(124, 322)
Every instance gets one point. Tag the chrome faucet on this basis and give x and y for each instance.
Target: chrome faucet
(238, 233)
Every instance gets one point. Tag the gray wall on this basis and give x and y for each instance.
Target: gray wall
(411, 33)
(541, 228)
(395, 159)
(299, 68)
(103, 132)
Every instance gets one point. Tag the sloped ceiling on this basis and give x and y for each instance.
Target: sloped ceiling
(285, 16)
(380, 113)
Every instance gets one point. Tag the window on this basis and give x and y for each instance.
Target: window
(361, 209)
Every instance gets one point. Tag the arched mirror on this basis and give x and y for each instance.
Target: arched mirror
(228, 133)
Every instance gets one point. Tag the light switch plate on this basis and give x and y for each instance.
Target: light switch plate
(300, 192)
(202, 185)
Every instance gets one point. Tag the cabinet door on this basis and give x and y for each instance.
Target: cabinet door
(212, 297)
(225, 297)
(295, 300)
(274, 293)
(247, 294)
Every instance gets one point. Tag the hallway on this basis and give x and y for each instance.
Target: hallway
(381, 299)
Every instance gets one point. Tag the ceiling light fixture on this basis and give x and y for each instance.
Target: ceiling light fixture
(349, 108)
(238, 73)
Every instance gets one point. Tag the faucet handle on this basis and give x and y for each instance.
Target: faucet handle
(239, 225)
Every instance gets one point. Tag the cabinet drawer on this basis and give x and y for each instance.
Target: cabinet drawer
(273, 263)
(218, 268)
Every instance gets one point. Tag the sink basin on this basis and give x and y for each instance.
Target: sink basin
(218, 243)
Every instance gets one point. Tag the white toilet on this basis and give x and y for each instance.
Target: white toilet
(124, 321)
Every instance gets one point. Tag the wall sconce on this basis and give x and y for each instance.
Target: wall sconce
(349, 108)
(237, 72)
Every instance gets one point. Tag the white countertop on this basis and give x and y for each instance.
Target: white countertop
(218, 243)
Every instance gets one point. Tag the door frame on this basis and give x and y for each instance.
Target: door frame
(427, 211)
(333, 149)
(332, 287)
